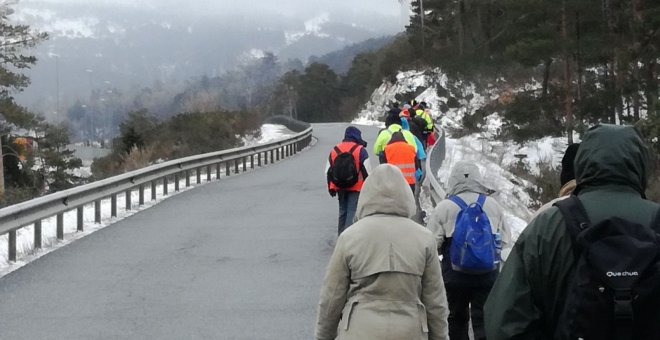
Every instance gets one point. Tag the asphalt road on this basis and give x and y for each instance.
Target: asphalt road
(242, 258)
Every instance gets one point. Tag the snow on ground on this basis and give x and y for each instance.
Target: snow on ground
(269, 133)
(25, 236)
(493, 157)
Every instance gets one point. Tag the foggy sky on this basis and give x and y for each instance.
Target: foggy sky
(288, 7)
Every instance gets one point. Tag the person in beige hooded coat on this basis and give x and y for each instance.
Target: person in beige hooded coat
(383, 280)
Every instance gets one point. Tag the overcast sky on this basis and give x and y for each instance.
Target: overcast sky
(304, 7)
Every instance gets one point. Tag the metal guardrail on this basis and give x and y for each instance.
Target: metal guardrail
(32, 212)
(434, 159)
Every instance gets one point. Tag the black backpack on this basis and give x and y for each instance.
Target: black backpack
(420, 122)
(615, 292)
(343, 171)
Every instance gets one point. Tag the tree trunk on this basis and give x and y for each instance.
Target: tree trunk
(568, 76)
(578, 61)
(2, 172)
(651, 90)
(546, 78)
(421, 15)
(461, 27)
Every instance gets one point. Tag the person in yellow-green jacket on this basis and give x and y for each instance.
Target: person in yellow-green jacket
(392, 125)
(423, 121)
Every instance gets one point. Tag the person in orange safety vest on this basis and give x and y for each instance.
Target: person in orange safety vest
(348, 193)
(402, 155)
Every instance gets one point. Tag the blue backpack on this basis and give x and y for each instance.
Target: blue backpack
(473, 249)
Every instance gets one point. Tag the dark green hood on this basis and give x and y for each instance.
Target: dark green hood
(612, 155)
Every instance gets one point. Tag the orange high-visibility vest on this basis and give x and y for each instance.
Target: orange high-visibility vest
(402, 155)
(345, 147)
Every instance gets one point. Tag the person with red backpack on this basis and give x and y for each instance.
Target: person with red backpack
(346, 170)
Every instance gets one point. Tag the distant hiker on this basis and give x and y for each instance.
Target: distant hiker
(392, 125)
(383, 280)
(587, 267)
(566, 177)
(394, 109)
(423, 120)
(347, 168)
(402, 155)
(408, 115)
(468, 223)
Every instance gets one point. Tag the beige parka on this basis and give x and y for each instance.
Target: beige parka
(383, 280)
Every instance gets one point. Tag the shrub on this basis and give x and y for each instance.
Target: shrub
(137, 158)
(546, 184)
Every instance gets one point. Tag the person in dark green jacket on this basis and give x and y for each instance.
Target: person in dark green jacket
(611, 168)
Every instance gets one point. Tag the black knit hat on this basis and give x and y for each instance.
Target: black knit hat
(567, 167)
(392, 119)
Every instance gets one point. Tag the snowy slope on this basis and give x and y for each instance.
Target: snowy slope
(493, 157)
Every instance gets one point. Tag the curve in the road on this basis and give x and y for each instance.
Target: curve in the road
(242, 258)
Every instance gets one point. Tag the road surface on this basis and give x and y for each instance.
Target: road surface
(242, 258)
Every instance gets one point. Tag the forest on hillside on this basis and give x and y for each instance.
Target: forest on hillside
(554, 66)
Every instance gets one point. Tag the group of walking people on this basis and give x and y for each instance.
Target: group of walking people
(587, 266)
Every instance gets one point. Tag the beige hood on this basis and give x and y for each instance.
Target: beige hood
(386, 192)
(465, 177)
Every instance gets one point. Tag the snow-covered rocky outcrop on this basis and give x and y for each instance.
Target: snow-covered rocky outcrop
(493, 157)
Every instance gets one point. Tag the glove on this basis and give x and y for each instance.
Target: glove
(332, 193)
(418, 174)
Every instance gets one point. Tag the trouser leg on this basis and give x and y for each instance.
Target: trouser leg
(341, 223)
(459, 307)
(479, 296)
(351, 198)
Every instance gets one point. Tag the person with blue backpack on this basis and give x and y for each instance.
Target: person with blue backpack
(469, 231)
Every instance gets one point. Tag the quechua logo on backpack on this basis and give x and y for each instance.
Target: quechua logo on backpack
(473, 249)
(344, 172)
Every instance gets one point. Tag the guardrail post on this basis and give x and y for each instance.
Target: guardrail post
(227, 168)
(295, 148)
(141, 194)
(187, 172)
(272, 156)
(81, 215)
(11, 250)
(37, 234)
(165, 186)
(244, 164)
(236, 166)
(128, 200)
(208, 173)
(277, 154)
(176, 181)
(153, 190)
(259, 159)
(252, 161)
(199, 175)
(113, 205)
(97, 211)
(217, 171)
(60, 226)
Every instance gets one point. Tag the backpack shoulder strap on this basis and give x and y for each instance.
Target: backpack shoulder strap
(575, 216)
(481, 200)
(655, 223)
(459, 201)
(353, 148)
